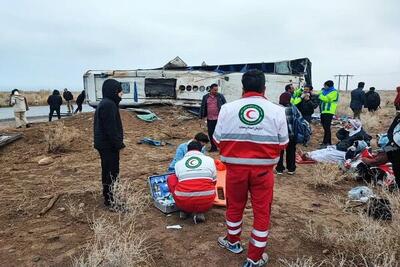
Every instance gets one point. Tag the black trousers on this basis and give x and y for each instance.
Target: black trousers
(109, 173)
(290, 158)
(357, 113)
(79, 108)
(326, 121)
(57, 110)
(211, 128)
(394, 158)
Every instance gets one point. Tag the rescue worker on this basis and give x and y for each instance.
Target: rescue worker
(329, 97)
(182, 149)
(251, 133)
(305, 101)
(109, 136)
(193, 184)
(397, 99)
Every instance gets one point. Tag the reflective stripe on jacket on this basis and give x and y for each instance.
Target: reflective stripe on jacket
(251, 131)
(329, 100)
(196, 175)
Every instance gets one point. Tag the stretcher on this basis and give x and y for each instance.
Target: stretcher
(220, 199)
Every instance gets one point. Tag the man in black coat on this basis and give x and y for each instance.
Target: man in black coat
(108, 136)
(68, 96)
(55, 102)
(357, 100)
(210, 107)
(79, 101)
(372, 100)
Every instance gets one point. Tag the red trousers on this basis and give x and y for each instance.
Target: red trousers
(191, 204)
(259, 180)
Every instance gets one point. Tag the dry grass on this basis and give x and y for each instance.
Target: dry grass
(74, 210)
(59, 138)
(325, 175)
(38, 98)
(300, 262)
(361, 241)
(120, 242)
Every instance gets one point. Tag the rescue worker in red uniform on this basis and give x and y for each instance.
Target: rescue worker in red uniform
(250, 133)
(193, 184)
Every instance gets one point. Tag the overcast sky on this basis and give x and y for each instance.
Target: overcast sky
(50, 44)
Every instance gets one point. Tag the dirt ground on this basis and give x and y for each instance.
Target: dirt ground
(28, 239)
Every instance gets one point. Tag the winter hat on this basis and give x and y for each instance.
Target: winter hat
(355, 123)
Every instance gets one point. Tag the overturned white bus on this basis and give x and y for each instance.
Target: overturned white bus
(179, 84)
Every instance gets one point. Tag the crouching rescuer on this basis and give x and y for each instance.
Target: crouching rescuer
(193, 184)
(251, 133)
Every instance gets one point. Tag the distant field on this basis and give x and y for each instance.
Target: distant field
(38, 98)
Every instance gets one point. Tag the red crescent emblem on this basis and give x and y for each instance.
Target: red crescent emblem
(249, 112)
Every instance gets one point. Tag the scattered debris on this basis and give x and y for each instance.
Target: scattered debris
(176, 226)
(45, 161)
(9, 138)
(360, 193)
(153, 142)
(49, 205)
(145, 114)
(36, 258)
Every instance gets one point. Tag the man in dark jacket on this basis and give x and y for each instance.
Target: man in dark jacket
(210, 107)
(108, 136)
(79, 101)
(68, 96)
(55, 102)
(308, 103)
(372, 100)
(357, 100)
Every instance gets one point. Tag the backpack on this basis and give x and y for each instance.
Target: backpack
(396, 135)
(301, 128)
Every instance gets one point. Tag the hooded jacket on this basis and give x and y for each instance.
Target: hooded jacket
(19, 103)
(80, 98)
(68, 96)
(372, 99)
(107, 128)
(55, 100)
(329, 99)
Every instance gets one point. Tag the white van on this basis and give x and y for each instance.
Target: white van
(178, 84)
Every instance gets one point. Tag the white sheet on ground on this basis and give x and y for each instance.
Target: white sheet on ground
(329, 154)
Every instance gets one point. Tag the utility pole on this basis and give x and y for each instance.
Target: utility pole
(347, 79)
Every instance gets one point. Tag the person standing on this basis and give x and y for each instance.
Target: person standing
(307, 103)
(79, 101)
(20, 106)
(393, 149)
(329, 98)
(397, 100)
(290, 110)
(357, 100)
(210, 107)
(68, 96)
(251, 133)
(372, 100)
(55, 102)
(109, 136)
(288, 94)
(193, 183)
